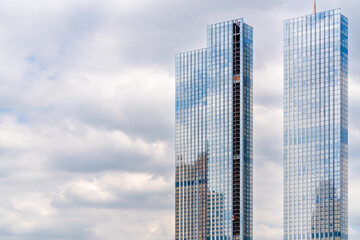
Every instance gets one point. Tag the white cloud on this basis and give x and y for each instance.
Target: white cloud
(107, 190)
(270, 232)
(87, 114)
(268, 199)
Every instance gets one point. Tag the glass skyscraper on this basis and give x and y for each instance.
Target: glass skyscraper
(214, 157)
(316, 127)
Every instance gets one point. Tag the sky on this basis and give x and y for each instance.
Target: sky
(87, 113)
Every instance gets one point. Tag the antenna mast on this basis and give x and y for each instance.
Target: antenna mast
(314, 6)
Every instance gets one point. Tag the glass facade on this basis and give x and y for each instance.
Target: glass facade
(316, 127)
(214, 157)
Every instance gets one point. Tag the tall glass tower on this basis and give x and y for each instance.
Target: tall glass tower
(214, 157)
(316, 127)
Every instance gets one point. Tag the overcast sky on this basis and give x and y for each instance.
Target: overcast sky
(87, 113)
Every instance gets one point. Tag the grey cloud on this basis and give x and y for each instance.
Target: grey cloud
(267, 125)
(74, 69)
(108, 159)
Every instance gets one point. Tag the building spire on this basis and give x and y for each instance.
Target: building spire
(314, 6)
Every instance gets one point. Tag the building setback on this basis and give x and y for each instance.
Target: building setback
(316, 127)
(214, 136)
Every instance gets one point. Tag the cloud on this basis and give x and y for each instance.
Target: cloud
(87, 113)
(117, 190)
(267, 125)
(267, 199)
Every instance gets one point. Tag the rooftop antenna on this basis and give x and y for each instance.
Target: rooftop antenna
(314, 6)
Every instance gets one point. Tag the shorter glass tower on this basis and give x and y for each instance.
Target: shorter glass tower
(214, 135)
(316, 127)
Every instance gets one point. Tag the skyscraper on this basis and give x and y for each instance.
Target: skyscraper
(214, 136)
(316, 126)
